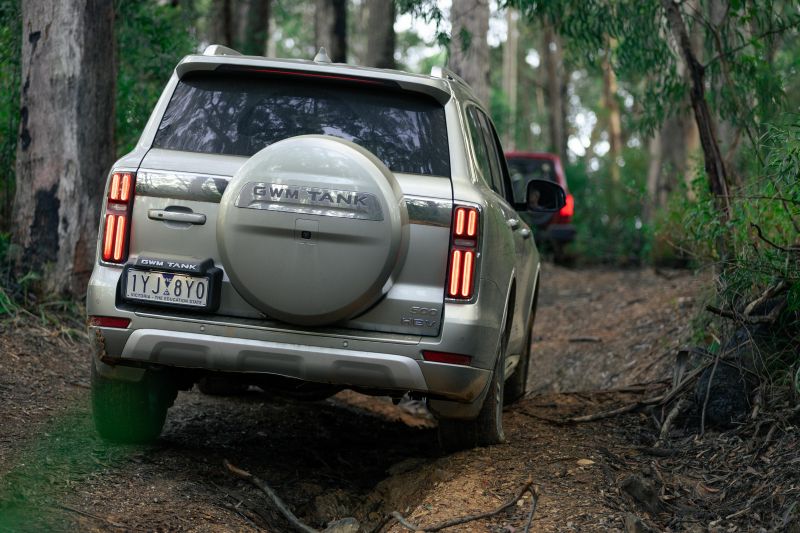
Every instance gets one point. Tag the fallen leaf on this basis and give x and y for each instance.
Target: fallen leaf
(585, 462)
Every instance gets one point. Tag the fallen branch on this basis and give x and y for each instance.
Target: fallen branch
(526, 487)
(261, 484)
(615, 412)
(708, 395)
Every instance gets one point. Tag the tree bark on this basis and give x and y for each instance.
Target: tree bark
(220, 24)
(330, 28)
(469, 49)
(555, 91)
(66, 142)
(614, 119)
(511, 77)
(714, 164)
(252, 26)
(380, 34)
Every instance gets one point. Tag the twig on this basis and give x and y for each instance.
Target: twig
(535, 497)
(673, 414)
(614, 412)
(776, 246)
(763, 319)
(708, 393)
(90, 515)
(772, 291)
(261, 484)
(585, 339)
(526, 487)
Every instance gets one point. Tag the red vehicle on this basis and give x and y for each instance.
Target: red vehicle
(555, 228)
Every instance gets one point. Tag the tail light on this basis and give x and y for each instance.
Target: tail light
(463, 253)
(116, 225)
(569, 207)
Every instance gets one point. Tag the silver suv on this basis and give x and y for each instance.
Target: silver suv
(306, 227)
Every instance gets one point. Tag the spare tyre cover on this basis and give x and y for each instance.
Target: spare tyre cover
(312, 230)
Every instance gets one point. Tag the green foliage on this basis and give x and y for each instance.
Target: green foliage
(151, 39)
(10, 41)
(763, 251)
(608, 217)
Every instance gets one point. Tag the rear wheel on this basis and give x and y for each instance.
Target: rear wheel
(487, 428)
(516, 384)
(129, 412)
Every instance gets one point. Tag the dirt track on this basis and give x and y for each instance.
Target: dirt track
(350, 455)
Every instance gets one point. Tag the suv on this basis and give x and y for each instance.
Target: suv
(553, 228)
(307, 227)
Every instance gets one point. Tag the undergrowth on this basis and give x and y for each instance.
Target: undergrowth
(22, 304)
(758, 265)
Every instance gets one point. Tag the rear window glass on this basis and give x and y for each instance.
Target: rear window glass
(523, 170)
(240, 115)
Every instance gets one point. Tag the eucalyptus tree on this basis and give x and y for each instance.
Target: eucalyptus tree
(66, 138)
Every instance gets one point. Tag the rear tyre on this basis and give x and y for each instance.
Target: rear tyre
(487, 428)
(131, 413)
(517, 383)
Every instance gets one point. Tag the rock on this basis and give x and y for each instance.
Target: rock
(634, 524)
(330, 506)
(345, 525)
(728, 397)
(643, 492)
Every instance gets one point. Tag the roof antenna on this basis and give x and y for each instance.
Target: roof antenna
(322, 56)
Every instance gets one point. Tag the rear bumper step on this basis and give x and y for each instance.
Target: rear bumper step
(338, 366)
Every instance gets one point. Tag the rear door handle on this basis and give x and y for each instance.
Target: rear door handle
(513, 223)
(176, 216)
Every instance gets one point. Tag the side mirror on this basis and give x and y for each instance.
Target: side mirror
(545, 196)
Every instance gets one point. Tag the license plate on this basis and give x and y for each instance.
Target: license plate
(167, 288)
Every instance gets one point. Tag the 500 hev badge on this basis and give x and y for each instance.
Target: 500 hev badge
(310, 200)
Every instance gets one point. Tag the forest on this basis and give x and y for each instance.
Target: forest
(678, 123)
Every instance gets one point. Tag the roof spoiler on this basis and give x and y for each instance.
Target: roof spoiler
(219, 50)
(447, 74)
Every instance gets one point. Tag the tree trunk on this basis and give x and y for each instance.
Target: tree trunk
(220, 26)
(614, 120)
(469, 49)
(714, 164)
(555, 91)
(511, 77)
(66, 138)
(330, 28)
(252, 26)
(380, 34)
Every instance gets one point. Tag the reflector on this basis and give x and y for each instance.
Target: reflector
(109, 321)
(446, 357)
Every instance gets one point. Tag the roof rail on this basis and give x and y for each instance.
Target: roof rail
(219, 50)
(446, 74)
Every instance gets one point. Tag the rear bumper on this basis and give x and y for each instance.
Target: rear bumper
(348, 358)
(558, 233)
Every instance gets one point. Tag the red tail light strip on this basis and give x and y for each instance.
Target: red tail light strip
(569, 207)
(463, 253)
(116, 229)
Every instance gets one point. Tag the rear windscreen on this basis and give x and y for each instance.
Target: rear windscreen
(242, 114)
(523, 170)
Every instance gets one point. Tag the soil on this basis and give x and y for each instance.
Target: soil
(358, 456)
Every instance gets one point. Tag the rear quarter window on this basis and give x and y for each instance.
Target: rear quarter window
(238, 114)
